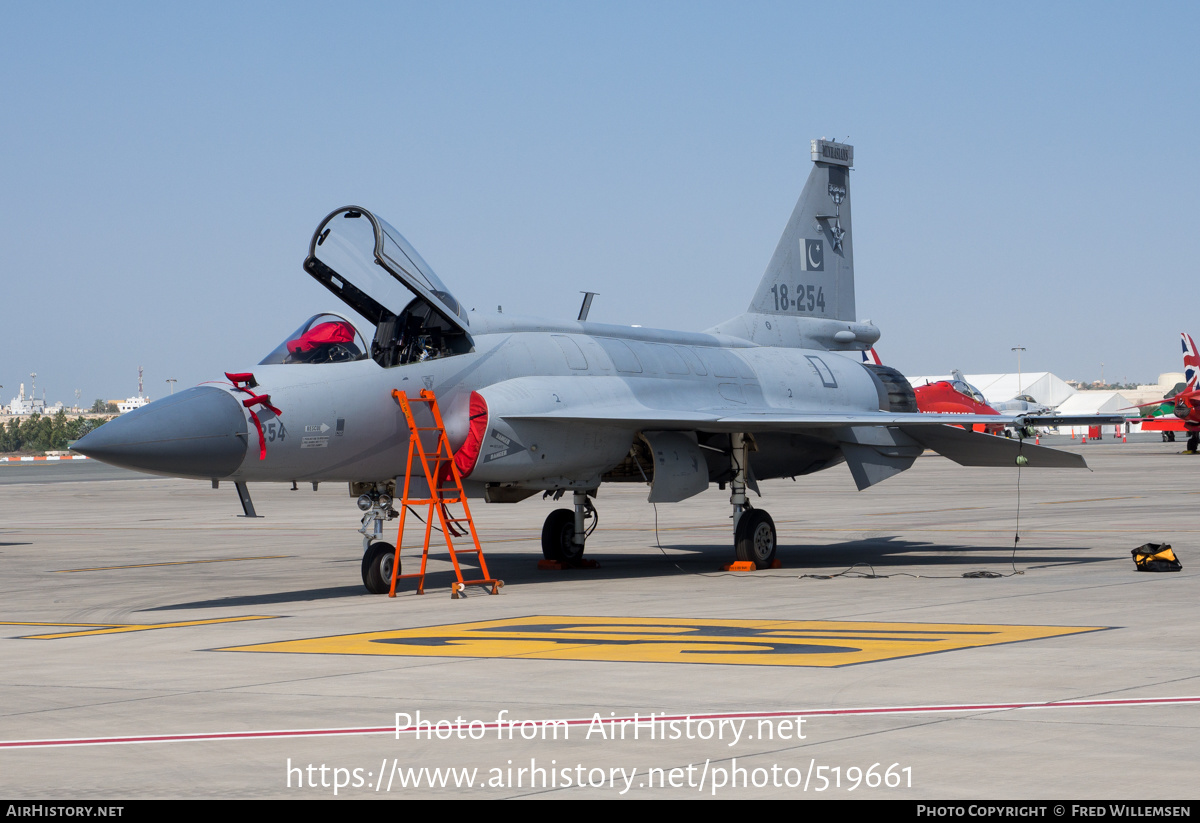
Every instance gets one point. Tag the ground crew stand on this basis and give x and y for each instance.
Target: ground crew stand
(445, 489)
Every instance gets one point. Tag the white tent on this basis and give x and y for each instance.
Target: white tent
(1094, 402)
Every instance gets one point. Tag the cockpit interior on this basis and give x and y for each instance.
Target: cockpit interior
(418, 334)
(323, 338)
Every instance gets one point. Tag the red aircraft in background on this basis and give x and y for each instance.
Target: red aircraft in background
(1181, 411)
(954, 396)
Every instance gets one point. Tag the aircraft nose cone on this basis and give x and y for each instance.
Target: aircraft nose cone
(199, 432)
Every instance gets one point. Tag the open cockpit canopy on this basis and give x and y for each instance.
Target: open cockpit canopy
(376, 272)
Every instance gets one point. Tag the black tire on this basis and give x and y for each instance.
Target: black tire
(557, 534)
(377, 567)
(754, 539)
(1193, 441)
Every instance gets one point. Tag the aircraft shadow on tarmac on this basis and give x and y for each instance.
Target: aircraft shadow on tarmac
(886, 554)
(268, 599)
(897, 553)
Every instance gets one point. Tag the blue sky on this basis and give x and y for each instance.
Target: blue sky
(1026, 174)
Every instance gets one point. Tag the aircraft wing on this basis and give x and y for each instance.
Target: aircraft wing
(721, 420)
(890, 434)
(879, 443)
(1162, 424)
(659, 405)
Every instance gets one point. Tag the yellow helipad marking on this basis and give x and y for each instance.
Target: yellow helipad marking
(173, 563)
(641, 639)
(88, 629)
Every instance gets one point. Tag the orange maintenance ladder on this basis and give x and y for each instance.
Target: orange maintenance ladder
(445, 488)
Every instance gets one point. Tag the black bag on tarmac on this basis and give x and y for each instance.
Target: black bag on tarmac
(1156, 557)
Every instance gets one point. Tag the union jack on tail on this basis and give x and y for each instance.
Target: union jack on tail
(1191, 361)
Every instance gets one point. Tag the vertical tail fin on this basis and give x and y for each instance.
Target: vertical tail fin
(811, 273)
(1191, 361)
(806, 295)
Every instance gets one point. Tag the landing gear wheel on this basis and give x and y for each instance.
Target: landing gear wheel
(1193, 442)
(377, 567)
(754, 539)
(558, 532)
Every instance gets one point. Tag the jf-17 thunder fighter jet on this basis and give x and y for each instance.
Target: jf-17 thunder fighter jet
(534, 405)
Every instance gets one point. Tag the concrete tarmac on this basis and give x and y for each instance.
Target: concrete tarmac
(1075, 678)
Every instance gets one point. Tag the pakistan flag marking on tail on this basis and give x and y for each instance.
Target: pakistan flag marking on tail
(814, 256)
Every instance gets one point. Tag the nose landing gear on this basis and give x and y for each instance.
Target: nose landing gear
(378, 556)
(377, 565)
(565, 531)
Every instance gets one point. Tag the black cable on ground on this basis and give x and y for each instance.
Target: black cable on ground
(975, 575)
(873, 575)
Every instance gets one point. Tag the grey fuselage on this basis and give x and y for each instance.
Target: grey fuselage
(339, 422)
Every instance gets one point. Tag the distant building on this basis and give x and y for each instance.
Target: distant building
(1150, 392)
(131, 403)
(26, 405)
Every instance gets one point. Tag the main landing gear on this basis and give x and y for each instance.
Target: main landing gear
(565, 531)
(754, 538)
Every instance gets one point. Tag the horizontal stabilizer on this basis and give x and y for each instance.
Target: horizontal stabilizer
(976, 449)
